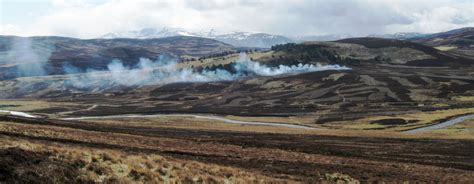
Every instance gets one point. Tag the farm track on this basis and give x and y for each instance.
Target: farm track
(442, 124)
(208, 117)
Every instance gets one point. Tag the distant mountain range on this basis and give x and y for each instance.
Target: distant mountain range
(261, 40)
(238, 39)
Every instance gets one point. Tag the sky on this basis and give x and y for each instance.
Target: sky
(95, 18)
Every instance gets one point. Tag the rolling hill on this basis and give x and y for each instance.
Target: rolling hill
(355, 51)
(358, 115)
(459, 41)
(96, 54)
(398, 75)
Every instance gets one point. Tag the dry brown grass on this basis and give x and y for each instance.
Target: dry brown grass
(105, 165)
(23, 105)
(26, 105)
(206, 124)
(106, 155)
(203, 124)
(299, 120)
(422, 118)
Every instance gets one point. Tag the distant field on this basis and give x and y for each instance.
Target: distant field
(393, 123)
(226, 59)
(445, 48)
(463, 130)
(464, 98)
(23, 105)
(410, 121)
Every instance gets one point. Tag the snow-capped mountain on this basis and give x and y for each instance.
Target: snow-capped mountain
(238, 39)
(329, 37)
(150, 33)
(334, 37)
(246, 39)
(399, 36)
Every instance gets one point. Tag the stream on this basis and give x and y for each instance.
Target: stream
(17, 113)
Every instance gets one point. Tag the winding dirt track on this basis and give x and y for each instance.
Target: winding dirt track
(440, 125)
(443, 124)
(222, 119)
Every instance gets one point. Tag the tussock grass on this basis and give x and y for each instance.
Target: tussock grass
(111, 166)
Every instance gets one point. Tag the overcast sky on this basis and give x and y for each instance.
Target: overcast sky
(94, 18)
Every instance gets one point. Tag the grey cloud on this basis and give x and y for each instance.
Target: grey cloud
(286, 17)
(358, 17)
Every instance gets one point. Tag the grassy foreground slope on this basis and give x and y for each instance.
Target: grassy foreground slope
(140, 151)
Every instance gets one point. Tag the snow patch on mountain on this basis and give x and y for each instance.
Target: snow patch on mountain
(237, 38)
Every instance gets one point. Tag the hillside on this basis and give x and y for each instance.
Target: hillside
(96, 54)
(352, 102)
(435, 58)
(363, 51)
(459, 41)
(397, 75)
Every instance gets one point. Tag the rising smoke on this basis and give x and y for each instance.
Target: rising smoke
(30, 60)
(166, 70)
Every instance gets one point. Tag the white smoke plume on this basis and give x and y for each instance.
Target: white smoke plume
(165, 70)
(28, 59)
(243, 64)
